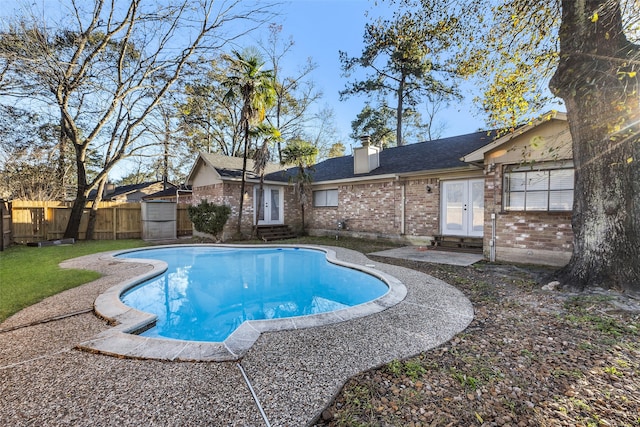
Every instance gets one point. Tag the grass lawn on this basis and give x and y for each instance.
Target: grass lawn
(30, 274)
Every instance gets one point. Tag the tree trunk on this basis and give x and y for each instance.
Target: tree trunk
(73, 226)
(259, 207)
(600, 92)
(82, 192)
(93, 213)
(243, 181)
(303, 199)
(62, 163)
(399, 112)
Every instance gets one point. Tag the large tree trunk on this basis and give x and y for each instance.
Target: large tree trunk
(596, 79)
(82, 193)
(73, 226)
(93, 213)
(62, 163)
(244, 178)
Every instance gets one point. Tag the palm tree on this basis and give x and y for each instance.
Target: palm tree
(254, 87)
(261, 158)
(303, 155)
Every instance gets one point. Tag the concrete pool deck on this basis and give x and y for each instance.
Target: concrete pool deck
(428, 254)
(293, 374)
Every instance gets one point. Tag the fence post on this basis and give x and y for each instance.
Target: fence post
(2, 224)
(45, 220)
(5, 224)
(115, 222)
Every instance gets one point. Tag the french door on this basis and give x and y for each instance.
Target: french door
(271, 202)
(462, 206)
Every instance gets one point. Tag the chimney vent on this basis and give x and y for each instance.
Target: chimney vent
(365, 159)
(109, 188)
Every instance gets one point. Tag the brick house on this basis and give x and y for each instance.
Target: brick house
(529, 193)
(217, 179)
(511, 196)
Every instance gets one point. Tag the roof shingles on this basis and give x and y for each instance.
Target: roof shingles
(421, 157)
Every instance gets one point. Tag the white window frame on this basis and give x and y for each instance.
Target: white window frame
(533, 188)
(325, 198)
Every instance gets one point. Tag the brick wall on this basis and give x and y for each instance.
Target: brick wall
(368, 208)
(375, 209)
(292, 214)
(324, 218)
(422, 207)
(229, 194)
(212, 193)
(371, 207)
(529, 237)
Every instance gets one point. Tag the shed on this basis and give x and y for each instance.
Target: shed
(159, 219)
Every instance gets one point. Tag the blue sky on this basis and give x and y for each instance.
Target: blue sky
(321, 28)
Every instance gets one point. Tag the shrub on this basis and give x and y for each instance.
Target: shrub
(208, 217)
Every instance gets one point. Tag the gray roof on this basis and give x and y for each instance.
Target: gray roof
(126, 189)
(421, 157)
(170, 191)
(231, 167)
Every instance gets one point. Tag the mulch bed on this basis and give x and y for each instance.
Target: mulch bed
(529, 358)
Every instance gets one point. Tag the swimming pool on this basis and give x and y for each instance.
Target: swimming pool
(122, 338)
(207, 292)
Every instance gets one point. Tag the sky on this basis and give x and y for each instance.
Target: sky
(322, 28)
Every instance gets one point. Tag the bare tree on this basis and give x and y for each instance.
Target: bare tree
(32, 165)
(296, 93)
(107, 65)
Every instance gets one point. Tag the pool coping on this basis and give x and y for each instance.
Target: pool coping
(121, 341)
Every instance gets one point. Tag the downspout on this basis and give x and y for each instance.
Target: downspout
(402, 208)
(492, 242)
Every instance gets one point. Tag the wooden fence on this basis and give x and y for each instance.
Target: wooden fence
(5, 224)
(34, 221)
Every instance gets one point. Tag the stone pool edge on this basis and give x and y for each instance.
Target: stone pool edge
(121, 341)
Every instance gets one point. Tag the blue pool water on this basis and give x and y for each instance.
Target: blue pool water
(207, 292)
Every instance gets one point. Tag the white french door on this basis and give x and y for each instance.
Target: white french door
(271, 202)
(462, 207)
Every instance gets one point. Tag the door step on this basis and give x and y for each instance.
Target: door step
(269, 233)
(458, 243)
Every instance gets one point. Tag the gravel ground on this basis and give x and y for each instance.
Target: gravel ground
(529, 358)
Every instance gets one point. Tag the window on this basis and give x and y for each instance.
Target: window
(325, 198)
(547, 188)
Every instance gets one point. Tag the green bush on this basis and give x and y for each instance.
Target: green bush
(208, 217)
